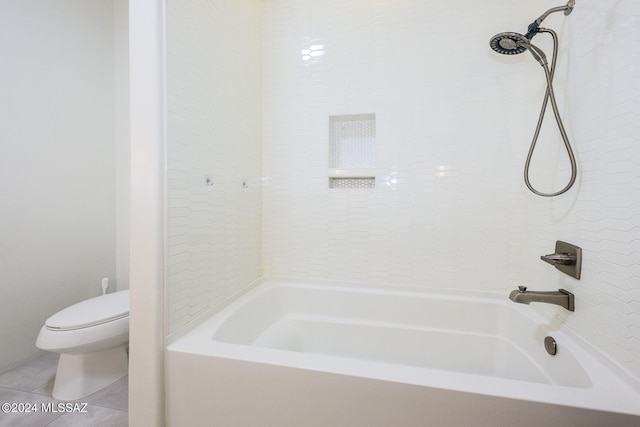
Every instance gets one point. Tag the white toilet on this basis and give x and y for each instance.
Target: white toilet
(91, 337)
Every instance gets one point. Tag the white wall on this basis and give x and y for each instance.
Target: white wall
(57, 166)
(122, 140)
(214, 117)
(454, 122)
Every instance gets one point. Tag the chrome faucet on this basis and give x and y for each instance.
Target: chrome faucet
(560, 297)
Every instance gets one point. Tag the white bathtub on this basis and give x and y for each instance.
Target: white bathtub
(321, 354)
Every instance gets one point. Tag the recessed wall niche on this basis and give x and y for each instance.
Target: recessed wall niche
(352, 142)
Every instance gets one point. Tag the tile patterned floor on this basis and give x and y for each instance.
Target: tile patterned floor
(32, 383)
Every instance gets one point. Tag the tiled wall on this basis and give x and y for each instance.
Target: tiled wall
(214, 153)
(453, 126)
(450, 142)
(601, 79)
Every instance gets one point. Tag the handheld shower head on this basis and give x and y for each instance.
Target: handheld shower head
(508, 43)
(514, 43)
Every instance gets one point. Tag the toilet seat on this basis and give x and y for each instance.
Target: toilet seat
(91, 312)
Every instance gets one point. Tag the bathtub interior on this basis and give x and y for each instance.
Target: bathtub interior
(477, 334)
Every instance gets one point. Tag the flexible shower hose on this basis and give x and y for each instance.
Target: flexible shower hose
(550, 95)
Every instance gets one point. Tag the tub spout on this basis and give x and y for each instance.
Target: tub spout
(560, 297)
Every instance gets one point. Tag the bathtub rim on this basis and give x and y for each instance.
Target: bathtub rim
(190, 340)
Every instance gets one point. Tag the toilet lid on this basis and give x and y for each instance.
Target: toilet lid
(93, 311)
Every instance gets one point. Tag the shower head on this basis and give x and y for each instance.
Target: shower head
(509, 43)
(514, 43)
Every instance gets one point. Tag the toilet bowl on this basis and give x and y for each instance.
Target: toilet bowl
(91, 337)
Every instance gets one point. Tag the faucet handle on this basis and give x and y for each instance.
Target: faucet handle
(559, 259)
(522, 288)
